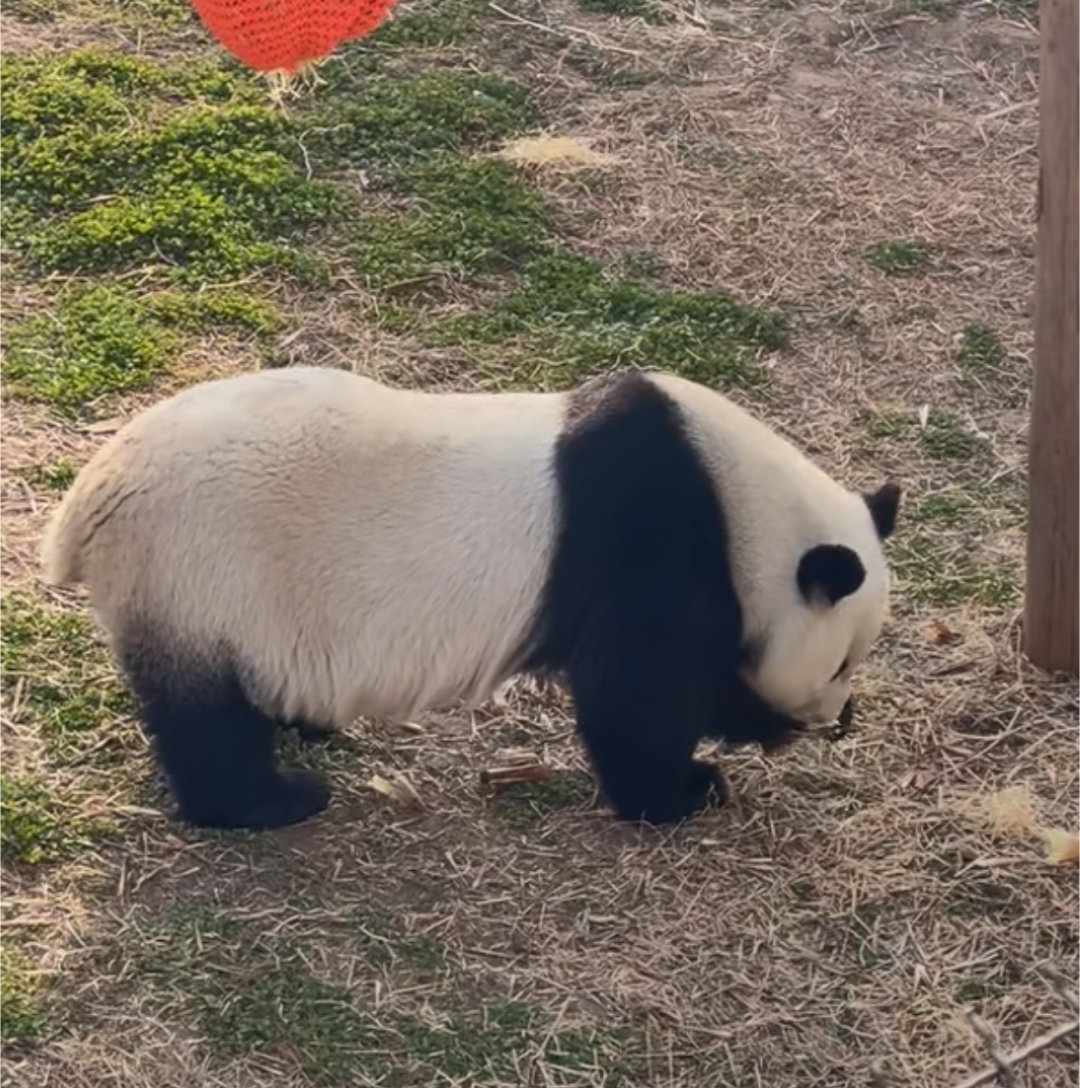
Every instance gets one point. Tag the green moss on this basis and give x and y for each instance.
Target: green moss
(898, 257)
(466, 218)
(36, 827)
(980, 349)
(22, 1010)
(521, 806)
(68, 691)
(577, 320)
(113, 162)
(374, 120)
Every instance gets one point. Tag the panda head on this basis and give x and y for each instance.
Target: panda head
(826, 611)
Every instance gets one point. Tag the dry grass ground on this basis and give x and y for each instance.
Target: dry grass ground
(865, 167)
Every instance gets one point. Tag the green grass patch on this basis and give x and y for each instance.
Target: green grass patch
(948, 509)
(55, 476)
(488, 1046)
(896, 258)
(1002, 502)
(165, 14)
(99, 340)
(946, 438)
(646, 10)
(888, 424)
(254, 992)
(38, 11)
(22, 1009)
(933, 559)
(374, 120)
(112, 162)
(69, 692)
(107, 339)
(387, 943)
(448, 22)
(36, 827)
(467, 218)
(980, 349)
(283, 1007)
(936, 573)
(523, 805)
(574, 320)
(974, 990)
(942, 10)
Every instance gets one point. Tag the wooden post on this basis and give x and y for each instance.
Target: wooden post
(1052, 604)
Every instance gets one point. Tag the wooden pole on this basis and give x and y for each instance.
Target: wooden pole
(1052, 604)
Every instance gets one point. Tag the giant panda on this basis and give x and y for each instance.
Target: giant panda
(306, 546)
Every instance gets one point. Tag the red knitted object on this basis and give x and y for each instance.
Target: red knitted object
(281, 35)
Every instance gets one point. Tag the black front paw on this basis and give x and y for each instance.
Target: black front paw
(707, 785)
(671, 800)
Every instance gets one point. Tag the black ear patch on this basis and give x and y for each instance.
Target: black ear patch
(830, 571)
(884, 505)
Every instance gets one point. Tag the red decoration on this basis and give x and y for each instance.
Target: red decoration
(283, 35)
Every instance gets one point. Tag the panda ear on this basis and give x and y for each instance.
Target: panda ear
(884, 505)
(829, 572)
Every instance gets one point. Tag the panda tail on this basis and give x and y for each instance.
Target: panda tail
(63, 544)
(84, 511)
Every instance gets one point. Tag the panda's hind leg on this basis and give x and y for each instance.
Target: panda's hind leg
(217, 749)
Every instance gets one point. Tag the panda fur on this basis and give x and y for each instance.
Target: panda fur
(307, 546)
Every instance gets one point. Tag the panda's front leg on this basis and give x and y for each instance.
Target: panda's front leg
(643, 755)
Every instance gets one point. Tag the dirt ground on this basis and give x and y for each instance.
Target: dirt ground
(867, 168)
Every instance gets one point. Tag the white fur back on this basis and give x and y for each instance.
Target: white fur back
(373, 551)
